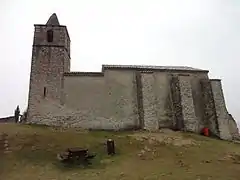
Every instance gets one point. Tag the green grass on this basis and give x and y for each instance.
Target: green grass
(33, 151)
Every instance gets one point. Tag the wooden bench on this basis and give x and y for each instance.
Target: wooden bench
(75, 155)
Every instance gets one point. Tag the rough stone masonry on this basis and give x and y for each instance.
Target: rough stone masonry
(120, 96)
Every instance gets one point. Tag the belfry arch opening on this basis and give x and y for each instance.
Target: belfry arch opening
(50, 35)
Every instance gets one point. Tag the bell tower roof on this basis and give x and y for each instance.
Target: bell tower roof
(53, 20)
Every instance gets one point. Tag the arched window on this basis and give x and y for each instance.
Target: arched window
(50, 35)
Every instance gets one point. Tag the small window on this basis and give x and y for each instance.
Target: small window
(50, 35)
(44, 91)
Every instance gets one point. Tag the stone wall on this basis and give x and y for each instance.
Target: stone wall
(140, 109)
(162, 92)
(192, 93)
(60, 36)
(178, 123)
(133, 99)
(10, 119)
(221, 111)
(94, 100)
(197, 97)
(234, 131)
(85, 92)
(209, 110)
(121, 97)
(49, 61)
(188, 111)
(149, 101)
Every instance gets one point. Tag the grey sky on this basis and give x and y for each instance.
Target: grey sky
(198, 33)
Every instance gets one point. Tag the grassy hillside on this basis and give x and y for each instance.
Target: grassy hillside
(140, 155)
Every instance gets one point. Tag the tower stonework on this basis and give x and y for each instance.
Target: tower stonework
(121, 96)
(50, 59)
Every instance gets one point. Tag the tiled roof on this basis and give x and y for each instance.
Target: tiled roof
(83, 74)
(147, 67)
(135, 67)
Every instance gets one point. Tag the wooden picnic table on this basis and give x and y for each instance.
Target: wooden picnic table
(75, 154)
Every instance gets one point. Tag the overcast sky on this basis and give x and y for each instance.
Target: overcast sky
(198, 33)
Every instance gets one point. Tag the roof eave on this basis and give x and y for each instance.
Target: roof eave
(153, 69)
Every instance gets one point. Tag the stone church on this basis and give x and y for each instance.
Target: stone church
(120, 96)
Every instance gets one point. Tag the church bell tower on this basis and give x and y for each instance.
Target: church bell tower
(50, 59)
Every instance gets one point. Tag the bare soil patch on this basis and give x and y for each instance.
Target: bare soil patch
(164, 136)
